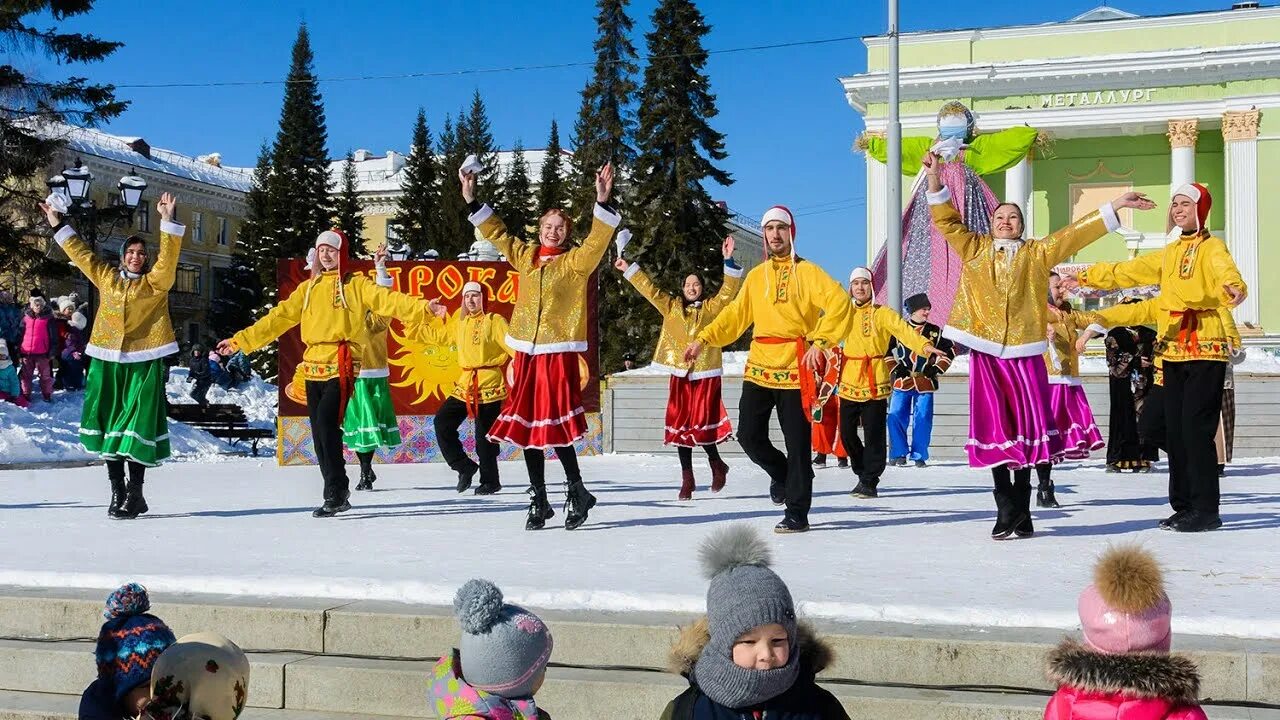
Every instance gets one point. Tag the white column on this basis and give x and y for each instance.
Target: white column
(1240, 131)
(1182, 141)
(876, 200)
(1017, 190)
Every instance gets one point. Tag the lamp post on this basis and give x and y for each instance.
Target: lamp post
(75, 183)
(893, 176)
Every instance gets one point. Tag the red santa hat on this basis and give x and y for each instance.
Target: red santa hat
(1199, 195)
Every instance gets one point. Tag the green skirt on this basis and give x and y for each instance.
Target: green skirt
(370, 422)
(124, 414)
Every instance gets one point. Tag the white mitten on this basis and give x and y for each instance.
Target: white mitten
(58, 202)
(622, 239)
(471, 165)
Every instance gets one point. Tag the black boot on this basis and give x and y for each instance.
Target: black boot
(134, 503)
(1044, 487)
(539, 509)
(465, 476)
(115, 473)
(366, 471)
(577, 503)
(777, 493)
(1003, 493)
(1022, 527)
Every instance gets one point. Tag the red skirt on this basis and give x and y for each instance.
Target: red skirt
(695, 413)
(544, 407)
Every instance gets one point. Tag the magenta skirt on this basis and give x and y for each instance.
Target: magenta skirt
(1009, 418)
(1073, 419)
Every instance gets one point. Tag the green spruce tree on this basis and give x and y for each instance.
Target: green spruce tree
(346, 212)
(418, 210)
(299, 181)
(456, 232)
(475, 136)
(29, 144)
(679, 226)
(606, 124)
(517, 209)
(553, 189)
(248, 287)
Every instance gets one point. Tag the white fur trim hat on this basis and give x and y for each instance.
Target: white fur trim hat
(332, 238)
(860, 272)
(473, 287)
(779, 213)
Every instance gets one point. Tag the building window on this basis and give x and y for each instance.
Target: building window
(144, 216)
(197, 222)
(222, 231)
(193, 333)
(188, 280)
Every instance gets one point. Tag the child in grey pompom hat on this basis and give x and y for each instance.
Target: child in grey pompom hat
(501, 658)
(749, 653)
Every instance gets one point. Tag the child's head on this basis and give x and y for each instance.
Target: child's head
(1126, 610)
(129, 644)
(504, 648)
(204, 676)
(750, 655)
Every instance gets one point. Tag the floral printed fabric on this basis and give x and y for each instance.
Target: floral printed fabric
(453, 699)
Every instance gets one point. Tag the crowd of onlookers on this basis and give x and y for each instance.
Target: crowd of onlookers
(749, 657)
(37, 338)
(42, 348)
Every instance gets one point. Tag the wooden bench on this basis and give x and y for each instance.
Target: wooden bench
(221, 420)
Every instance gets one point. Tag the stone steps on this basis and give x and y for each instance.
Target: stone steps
(327, 656)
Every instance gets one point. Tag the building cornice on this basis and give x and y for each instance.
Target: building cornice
(1057, 29)
(1174, 68)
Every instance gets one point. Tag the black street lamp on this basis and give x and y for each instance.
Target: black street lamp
(74, 185)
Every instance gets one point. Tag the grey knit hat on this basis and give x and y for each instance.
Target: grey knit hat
(504, 648)
(744, 594)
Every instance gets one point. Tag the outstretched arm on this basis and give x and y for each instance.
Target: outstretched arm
(946, 218)
(732, 280)
(603, 222)
(275, 323)
(165, 271)
(519, 253)
(97, 271)
(1080, 234)
(640, 280)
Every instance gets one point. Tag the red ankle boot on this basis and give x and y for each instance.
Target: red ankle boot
(686, 485)
(719, 473)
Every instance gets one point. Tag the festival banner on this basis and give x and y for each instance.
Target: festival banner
(422, 375)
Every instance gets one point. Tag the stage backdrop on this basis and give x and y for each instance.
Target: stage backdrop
(422, 376)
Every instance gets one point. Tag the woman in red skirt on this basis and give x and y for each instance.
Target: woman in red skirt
(548, 333)
(695, 411)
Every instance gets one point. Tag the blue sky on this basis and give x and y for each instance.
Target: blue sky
(789, 129)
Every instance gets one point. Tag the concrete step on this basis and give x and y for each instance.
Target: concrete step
(47, 706)
(290, 633)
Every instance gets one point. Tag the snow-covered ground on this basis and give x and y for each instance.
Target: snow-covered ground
(920, 553)
(49, 432)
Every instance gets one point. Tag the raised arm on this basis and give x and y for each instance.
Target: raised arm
(946, 218)
(1142, 270)
(640, 280)
(97, 271)
(729, 325)
(732, 280)
(389, 303)
(519, 253)
(1075, 237)
(604, 220)
(165, 271)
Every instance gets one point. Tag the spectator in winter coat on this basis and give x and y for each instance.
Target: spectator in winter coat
(39, 345)
(9, 387)
(915, 379)
(128, 647)
(216, 371)
(203, 676)
(198, 373)
(10, 321)
(1124, 669)
(749, 657)
(238, 368)
(71, 344)
(499, 663)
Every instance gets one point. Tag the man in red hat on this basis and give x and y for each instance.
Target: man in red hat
(788, 300)
(1197, 277)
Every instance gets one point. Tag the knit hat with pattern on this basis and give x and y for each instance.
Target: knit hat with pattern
(504, 648)
(130, 640)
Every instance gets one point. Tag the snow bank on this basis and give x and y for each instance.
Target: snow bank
(49, 432)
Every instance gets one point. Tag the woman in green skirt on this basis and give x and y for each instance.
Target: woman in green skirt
(370, 422)
(124, 416)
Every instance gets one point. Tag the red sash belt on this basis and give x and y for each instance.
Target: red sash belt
(808, 385)
(1187, 335)
(346, 378)
(866, 370)
(473, 392)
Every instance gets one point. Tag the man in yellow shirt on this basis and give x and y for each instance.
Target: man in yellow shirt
(480, 390)
(787, 299)
(1197, 277)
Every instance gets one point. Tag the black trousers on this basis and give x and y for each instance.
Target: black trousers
(449, 418)
(535, 461)
(324, 402)
(866, 456)
(1192, 410)
(1151, 424)
(793, 469)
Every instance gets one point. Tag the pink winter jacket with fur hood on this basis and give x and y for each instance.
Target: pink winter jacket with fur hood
(1134, 686)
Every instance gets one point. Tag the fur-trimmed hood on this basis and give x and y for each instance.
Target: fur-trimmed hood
(1146, 675)
(815, 654)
